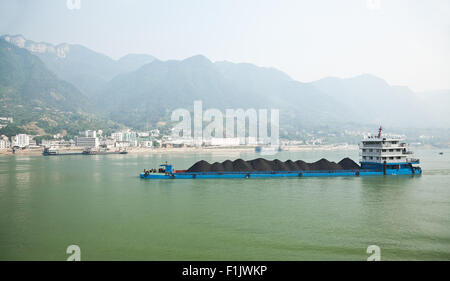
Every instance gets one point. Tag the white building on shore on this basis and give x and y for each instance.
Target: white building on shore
(4, 144)
(122, 144)
(21, 140)
(126, 136)
(222, 142)
(108, 142)
(86, 141)
(90, 134)
(146, 144)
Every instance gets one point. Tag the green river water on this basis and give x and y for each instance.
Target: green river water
(100, 204)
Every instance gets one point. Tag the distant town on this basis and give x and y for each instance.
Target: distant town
(153, 139)
(129, 139)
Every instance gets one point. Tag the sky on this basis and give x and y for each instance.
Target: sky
(404, 42)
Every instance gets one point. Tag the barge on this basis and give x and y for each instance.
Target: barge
(50, 151)
(379, 155)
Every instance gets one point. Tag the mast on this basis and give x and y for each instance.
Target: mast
(379, 132)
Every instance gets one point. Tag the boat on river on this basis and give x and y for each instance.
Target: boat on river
(53, 151)
(379, 155)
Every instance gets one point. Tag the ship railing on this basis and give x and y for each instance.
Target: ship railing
(382, 145)
(382, 153)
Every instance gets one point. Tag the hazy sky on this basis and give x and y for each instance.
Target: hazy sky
(404, 42)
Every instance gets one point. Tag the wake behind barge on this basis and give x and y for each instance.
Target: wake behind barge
(379, 156)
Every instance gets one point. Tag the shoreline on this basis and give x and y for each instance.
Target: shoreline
(139, 150)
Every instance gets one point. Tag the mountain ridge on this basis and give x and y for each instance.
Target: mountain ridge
(88, 70)
(144, 90)
(36, 97)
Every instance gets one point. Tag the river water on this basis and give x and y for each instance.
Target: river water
(100, 204)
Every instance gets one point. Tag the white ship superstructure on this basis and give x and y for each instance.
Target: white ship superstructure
(387, 153)
(385, 149)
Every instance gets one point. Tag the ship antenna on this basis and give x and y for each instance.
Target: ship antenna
(379, 132)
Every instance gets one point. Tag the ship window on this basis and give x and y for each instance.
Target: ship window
(371, 157)
(370, 150)
(390, 150)
(364, 150)
(384, 158)
(384, 150)
(398, 157)
(391, 158)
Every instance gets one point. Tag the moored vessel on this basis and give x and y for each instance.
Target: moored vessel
(90, 151)
(53, 151)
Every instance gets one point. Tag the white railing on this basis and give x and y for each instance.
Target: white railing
(383, 145)
(403, 160)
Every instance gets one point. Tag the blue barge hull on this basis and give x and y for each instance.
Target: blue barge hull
(334, 173)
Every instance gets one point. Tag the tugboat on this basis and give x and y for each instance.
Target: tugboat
(380, 155)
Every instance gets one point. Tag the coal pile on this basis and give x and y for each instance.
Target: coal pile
(261, 164)
(240, 165)
(291, 165)
(277, 165)
(302, 165)
(228, 165)
(217, 167)
(324, 164)
(200, 166)
(348, 164)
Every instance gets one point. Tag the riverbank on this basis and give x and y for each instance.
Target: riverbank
(140, 150)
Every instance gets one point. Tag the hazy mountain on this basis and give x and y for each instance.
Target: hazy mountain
(372, 100)
(132, 62)
(437, 103)
(34, 96)
(88, 70)
(25, 79)
(150, 93)
(138, 90)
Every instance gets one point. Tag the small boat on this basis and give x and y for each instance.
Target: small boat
(268, 149)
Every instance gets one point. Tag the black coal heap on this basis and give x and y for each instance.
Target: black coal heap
(261, 164)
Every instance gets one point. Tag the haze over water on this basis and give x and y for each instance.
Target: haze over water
(100, 203)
